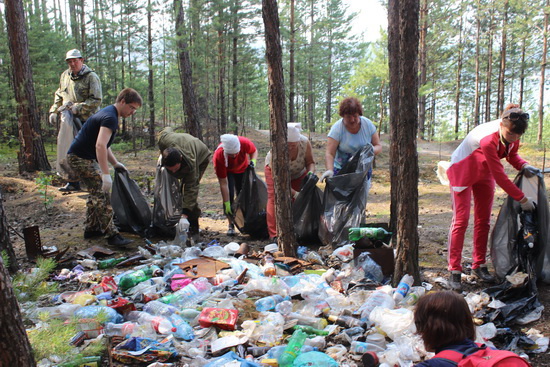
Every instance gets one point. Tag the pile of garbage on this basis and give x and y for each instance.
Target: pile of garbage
(224, 305)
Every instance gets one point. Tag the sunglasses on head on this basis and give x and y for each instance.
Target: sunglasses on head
(514, 116)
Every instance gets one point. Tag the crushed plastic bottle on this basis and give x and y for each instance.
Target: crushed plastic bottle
(269, 303)
(183, 329)
(130, 280)
(124, 329)
(403, 288)
(159, 323)
(189, 295)
(158, 308)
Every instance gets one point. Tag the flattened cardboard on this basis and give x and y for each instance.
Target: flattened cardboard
(203, 266)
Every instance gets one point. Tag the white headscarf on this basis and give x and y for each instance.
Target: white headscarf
(230, 145)
(293, 132)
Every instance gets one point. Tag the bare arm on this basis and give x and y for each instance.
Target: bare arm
(330, 153)
(224, 188)
(376, 144)
(104, 154)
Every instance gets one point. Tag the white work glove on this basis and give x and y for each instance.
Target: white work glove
(74, 109)
(328, 174)
(528, 205)
(120, 166)
(107, 183)
(53, 118)
(530, 171)
(183, 225)
(295, 194)
(65, 106)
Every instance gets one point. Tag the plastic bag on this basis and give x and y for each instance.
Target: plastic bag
(132, 211)
(306, 211)
(168, 201)
(250, 206)
(504, 253)
(68, 128)
(345, 198)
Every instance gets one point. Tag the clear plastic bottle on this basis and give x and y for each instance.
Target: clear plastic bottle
(346, 321)
(268, 303)
(358, 347)
(183, 329)
(269, 266)
(412, 297)
(159, 308)
(293, 348)
(377, 298)
(124, 329)
(189, 295)
(159, 323)
(316, 322)
(284, 308)
(403, 288)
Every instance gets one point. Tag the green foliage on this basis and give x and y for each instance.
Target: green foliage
(5, 258)
(29, 287)
(43, 181)
(53, 338)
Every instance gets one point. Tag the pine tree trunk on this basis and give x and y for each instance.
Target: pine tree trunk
(292, 93)
(502, 71)
(423, 68)
(403, 23)
(186, 76)
(489, 74)
(477, 97)
(458, 81)
(74, 22)
(221, 76)
(522, 72)
(14, 344)
(310, 94)
(5, 243)
(542, 74)
(32, 155)
(151, 88)
(234, 64)
(83, 47)
(328, 103)
(277, 119)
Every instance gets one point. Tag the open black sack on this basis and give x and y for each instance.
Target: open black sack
(504, 238)
(168, 202)
(345, 198)
(307, 210)
(250, 206)
(132, 211)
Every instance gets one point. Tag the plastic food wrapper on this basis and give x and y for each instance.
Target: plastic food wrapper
(131, 208)
(136, 349)
(222, 318)
(393, 322)
(345, 198)
(229, 357)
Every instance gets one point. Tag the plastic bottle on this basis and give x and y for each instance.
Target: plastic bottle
(159, 323)
(358, 347)
(412, 297)
(189, 295)
(269, 266)
(284, 308)
(124, 329)
(159, 308)
(403, 288)
(130, 280)
(183, 329)
(268, 303)
(377, 298)
(310, 330)
(355, 234)
(88, 263)
(293, 348)
(110, 263)
(316, 322)
(346, 321)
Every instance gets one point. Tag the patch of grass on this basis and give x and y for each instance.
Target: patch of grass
(43, 181)
(29, 287)
(5, 259)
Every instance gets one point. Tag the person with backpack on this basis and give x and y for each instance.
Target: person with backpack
(445, 324)
(474, 170)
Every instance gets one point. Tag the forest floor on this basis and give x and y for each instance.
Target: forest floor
(61, 224)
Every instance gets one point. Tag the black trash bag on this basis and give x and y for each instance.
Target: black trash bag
(132, 211)
(168, 202)
(504, 248)
(306, 211)
(250, 207)
(345, 198)
(519, 301)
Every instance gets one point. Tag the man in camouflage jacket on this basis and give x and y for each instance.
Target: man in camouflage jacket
(80, 92)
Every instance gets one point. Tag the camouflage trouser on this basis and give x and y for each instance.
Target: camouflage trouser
(99, 213)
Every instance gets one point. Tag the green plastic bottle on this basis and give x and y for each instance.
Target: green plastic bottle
(310, 330)
(130, 280)
(110, 263)
(355, 234)
(292, 350)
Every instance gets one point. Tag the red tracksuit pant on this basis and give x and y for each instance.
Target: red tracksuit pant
(483, 192)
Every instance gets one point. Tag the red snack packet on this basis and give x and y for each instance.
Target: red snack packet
(121, 305)
(223, 318)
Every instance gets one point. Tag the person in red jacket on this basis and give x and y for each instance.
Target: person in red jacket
(475, 167)
(230, 160)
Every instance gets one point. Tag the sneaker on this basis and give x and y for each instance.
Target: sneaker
(231, 230)
(70, 186)
(92, 234)
(194, 233)
(455, 280)
(483, 273)
(118, 240)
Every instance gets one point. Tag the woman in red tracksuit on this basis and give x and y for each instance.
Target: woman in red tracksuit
(475, 167)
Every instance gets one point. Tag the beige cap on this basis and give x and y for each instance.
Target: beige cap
(73, 54)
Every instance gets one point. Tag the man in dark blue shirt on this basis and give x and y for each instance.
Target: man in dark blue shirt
(89, 156)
